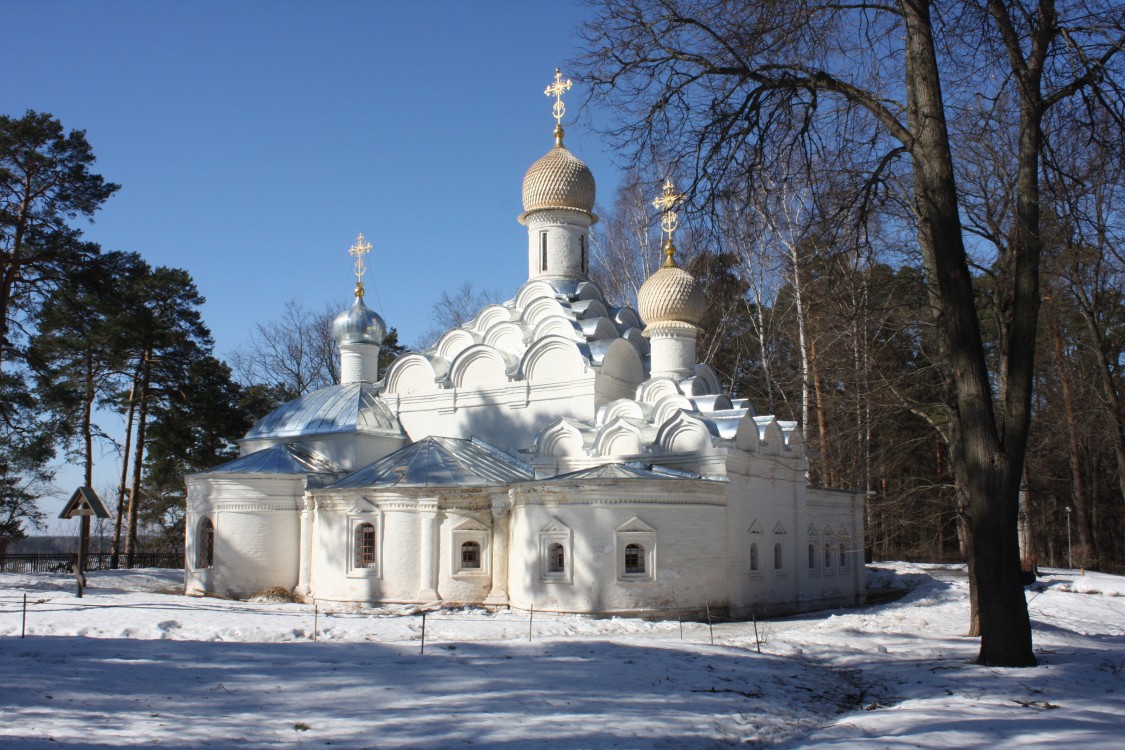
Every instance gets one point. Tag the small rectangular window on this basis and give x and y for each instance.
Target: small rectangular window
(542, 251)
(470, 556)
(365, 545)
(634, 559)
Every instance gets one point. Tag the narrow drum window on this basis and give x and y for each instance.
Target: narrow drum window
(556, 558)
(470, 556)
(205, 544)
(634, 559)
(365, 545)
(812, 557)
(828, 555)
(582, 244)
(843, 560)
(777, 556)
(542, 251)
(754, 558)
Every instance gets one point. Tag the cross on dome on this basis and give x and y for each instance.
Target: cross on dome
(358, 251)
(557, 89)
(669, 219)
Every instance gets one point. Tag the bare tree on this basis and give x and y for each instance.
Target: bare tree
(626, 242)
(729, 87)
(296, 355)
(454, 310)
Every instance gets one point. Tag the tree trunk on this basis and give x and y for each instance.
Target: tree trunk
(827, 475)
(114, 559)
(131, 540)
(1074, 451)
(992, 468)
(1029, 557)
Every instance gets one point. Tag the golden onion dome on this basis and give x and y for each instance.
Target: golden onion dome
(559, 179)
(671, 295)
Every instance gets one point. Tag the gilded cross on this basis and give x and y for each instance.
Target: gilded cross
(557, 89)
(358, 251)
(665, 203)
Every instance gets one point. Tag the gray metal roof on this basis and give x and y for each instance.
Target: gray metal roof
(338, 408)
(629, 470)
(441, 462)
(288, 458)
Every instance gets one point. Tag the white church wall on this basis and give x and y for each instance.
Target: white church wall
(395, 575)
(465, 556)
(508, 416)
(256, 533)
(680, 534)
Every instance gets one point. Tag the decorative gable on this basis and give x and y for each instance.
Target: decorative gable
(635, 524)
(470, 524)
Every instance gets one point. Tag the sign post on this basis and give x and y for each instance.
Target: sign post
(83, 504)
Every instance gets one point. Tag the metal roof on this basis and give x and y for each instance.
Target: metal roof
(441, 462)
(355, 407)
(288, 458)
(629, 470)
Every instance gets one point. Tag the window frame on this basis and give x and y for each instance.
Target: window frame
(551, 534)
(470, 530)
(471, 545)
(354, 522)
(204, 543)
(637, 532)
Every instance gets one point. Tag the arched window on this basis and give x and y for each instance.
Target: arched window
(754, 557)
(365, 545)
(777, 558)
(634, 559)
(827, 556)
(556, 558)
(205, 544)
(843, 558)
(470, 556)
(812, 557)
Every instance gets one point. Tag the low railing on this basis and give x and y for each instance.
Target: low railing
(55, 562)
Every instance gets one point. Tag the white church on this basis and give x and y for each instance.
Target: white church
(555, 453)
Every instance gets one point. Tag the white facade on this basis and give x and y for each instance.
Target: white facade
(541, 456)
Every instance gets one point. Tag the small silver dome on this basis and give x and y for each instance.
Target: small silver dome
(359, 325)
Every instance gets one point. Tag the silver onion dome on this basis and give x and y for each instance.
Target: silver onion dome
(359, 324)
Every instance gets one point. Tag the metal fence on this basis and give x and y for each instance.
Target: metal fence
(53, 562)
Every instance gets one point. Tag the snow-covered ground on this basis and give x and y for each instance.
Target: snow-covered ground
(134, 663)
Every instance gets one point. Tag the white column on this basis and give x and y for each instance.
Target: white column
(498, 596)
(304, 566)
(427, 583)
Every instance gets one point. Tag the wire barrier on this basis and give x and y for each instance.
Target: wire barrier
(45, 613)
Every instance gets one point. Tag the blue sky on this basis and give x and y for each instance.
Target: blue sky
(253, 140)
